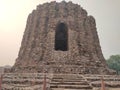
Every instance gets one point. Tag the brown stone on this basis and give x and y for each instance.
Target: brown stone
(60, 38)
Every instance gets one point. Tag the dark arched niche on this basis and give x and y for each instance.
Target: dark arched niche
(61, 37)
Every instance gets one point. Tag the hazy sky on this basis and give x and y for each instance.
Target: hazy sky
(13, 16)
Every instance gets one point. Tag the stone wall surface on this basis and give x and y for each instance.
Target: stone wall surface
(38, 54)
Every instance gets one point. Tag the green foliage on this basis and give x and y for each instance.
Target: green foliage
(114, 63)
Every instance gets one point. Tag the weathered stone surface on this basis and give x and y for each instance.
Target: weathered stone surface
(35, 81)
(37, 52)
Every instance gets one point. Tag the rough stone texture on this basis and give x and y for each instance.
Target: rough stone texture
(37, 52)
(34, 81)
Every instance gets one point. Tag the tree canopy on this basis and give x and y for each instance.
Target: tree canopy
(114, 63)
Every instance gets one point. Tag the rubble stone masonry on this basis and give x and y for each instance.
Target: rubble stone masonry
(60, 38)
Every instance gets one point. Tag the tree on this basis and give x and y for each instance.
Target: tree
(114, 63)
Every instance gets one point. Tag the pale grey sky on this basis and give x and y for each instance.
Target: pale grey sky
(13, 16)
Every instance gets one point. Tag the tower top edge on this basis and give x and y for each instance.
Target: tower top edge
(56, 2)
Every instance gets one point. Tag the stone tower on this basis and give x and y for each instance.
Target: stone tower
(60, 38)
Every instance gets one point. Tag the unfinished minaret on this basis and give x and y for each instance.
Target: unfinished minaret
(60, 38)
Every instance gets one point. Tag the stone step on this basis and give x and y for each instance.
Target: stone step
(70, 83)
(107, 84)
(59, 75)
(21, 87)
(67, 80)
(67, 77)
(68, 89)
(71, 86)
(105, 79)
(24, 82)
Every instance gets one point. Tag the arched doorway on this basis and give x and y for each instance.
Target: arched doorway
(61, 37)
